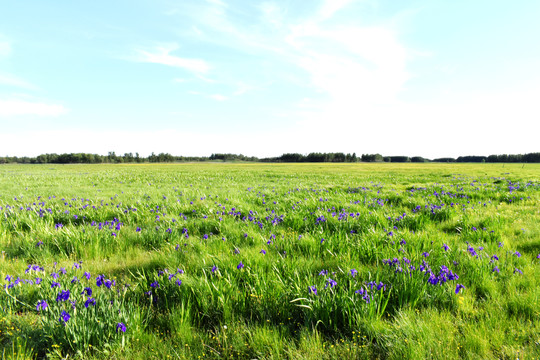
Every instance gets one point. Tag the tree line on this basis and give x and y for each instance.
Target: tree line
(111, 157)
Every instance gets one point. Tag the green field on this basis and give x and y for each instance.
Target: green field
(299, 261)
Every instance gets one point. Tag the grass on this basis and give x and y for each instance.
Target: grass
(303, 261)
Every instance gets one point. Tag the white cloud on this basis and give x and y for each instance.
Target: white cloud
(22, 107)
(330, 7)
(11, 80)
(161, 55)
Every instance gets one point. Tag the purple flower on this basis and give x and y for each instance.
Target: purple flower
(63, 295)
(425, 254)
(178, 282)
(55, 284)
(214, 268)
(516, 270)
(517, 253)
(495, 269)
(240, 266)
(154, 285)
(121, 327)
(459, 287)
(353, 272)
(312, 290)
(108, 283)
(90, 301)
(323, 272)
(87, 275)
(330, 282)
(87, 291)
(64, 317)
(100, 279)
(138, 229)
(263, 251)
(445, 247)
(41, 305)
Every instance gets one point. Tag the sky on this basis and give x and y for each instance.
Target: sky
(262, 78)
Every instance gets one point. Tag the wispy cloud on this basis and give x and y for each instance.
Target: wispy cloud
(12, 80)
(162, 55)
(330, 7)
(23, 107)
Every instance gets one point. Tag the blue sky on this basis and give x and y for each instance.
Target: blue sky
(429, 78)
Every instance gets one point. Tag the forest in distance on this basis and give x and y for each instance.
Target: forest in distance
(314, 157)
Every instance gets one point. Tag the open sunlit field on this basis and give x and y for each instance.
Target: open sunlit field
(309, 261)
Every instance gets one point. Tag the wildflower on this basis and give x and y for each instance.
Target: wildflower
(353, 272)
(330, 282)
(41, 305)
(154, 285)
(500, 244)
(178, 282)
(322, 240)
(138, 229)
(517, 253)
(425, 254)
(54, 284)
(495, 269)
(121, 327)
(87, 291)
(64, 317)
(323, 272)
(516, 270)
(263, 251)
(459, 287)
(108, 283)
(445, 247)
(63, 295)
(240, 266)
(39, 243)
(312, 290)
(100, 279)
(214, 268)
(90, 301)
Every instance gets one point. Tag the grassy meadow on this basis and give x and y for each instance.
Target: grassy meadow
(270, 261)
